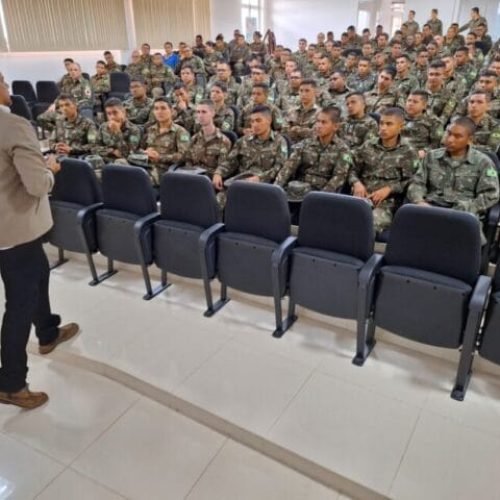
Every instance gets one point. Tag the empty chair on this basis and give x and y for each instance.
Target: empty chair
(24, 88)
(429, 288)
(120, 84)
(86, 76)
(333, 256)
(185, 235)
(20, 107)
(254, 248)
(47, 91)
(124, 224)
(75, 199)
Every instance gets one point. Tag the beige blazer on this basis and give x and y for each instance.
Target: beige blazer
(25, 182)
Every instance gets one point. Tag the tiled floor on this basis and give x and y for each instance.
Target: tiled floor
(389, 426)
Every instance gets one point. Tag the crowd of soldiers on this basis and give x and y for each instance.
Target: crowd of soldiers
(408, 118)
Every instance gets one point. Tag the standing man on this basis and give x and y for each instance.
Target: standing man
(411, 26)
(25, 181)
(435, 24)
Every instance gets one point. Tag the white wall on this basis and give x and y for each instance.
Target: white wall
(226, 16)
(293, 19)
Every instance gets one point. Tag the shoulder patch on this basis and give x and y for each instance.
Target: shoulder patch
(491, 172)
(184, 137)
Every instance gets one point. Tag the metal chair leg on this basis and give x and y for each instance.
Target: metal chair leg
(60, 259)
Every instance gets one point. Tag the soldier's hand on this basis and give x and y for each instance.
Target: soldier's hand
(254, 178)
(52, 107)
(421, 154)
(182, 104)
(114, 127)
(152, 154)
(116, 153)
(380, 195)
(359, 190)
(217, 182)
(63, 149)
(247, 131)
(423, 204)
(52, 164)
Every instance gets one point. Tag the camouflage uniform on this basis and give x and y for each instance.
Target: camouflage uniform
(196, 93)
(473, 24)
(376, 102)
(468, 72)
(457, 85)
(210, 62)
(80, 135)
(299, 122)
(172, 146)
(138, 112)
(100, 85)
(477, 59)
(237, 57)
(411, 26)
(288, 98)
(135, 70)
(224, 119)
(301, 58)
(246, 112)
(245, 94)
(233, 89)
(469, 184)
(404, 86)
(436, 26)
(113, 67)
(322, 167)
(452, 45)
(157, 76)
(358, 84)
(208, 152)
(331, 97)
(487, 135)
(251, 154)
(420, 74)
(423, 132)
(442, 104)
(195, 62)
(64, 83)
(356, 132)
(376, 167)
(126, 141)
(184, 117)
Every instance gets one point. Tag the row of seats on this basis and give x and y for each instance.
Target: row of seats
(433, 294)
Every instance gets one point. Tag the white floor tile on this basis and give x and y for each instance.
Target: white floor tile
(23, 471)
(448, 461)
(354, 432)
(73, 486)
(243, 474)
(150, 453)
(246, 387)
(81, 406)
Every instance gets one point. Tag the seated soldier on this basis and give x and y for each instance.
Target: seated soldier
(189, 59)
(66, 78)
(260, 93)
(457, 176)
(210, 59)
(196, 93)
(404, 82)
(183, 110)
(73, 135)
(363, 80)
(157, 75)
(321, 162)
(289, 96)
(463, 66)
(421, 130)
(420, 67)
(209, 147)
(383, 168)
(259, 155)
(146, 55)
(139, 106)
(488, 83)
(358, 127)
(336, 93)
(441, 102)
(117, 137)
(164, 142)
(79, 88)
(384, 95)
(454, 82)
(486, 136)
(111, 65)
(300, 120)
(224, 118)
(136, 67)
(223, 74)
(100, 84)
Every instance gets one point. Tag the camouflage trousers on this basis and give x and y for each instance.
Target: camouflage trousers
(47, 120)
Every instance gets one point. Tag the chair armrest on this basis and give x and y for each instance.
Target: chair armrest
(145, 222)
(366, 282)
(85, 212)
(205, 238)
(494, 216)
(480, 295)
(283, 251)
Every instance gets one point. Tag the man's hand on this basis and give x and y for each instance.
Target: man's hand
(52, 164)
(359, 190)
(423, 204)
(63, 149)
(421, 154)
(380, 195)
(218, 182)
(254, 178)
(52, 107)
(247, 131)
(182, 104)
(153, 155)
(116, 153)
(114, 126)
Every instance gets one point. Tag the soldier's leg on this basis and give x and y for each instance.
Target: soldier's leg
(382, 218)
(47, 120)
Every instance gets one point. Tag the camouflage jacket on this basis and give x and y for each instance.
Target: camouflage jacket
(376, 102)
(358, 84)
(208, 152)
(233, 89)
(324, 167)
(468, 72)
(135, 70)
(299, 122)
(113, 67)
(184, 117)
(196, 93)
(287, 99)
(404, 86)
(138, 112)
(331, 97)
(423, 132)
(420, 74)
(469, 184)
(100, 84)
(125, 141)
(356, 132)
(195, 62)
(436, 26)
(263, 158)
(81, 91)
(224, 119)
(65, 83)
(487, 135)
(457, 85)
(244, 118)
(442, 104)
(156, 76)
(377, 166)
(172, 145)
(411, 26)
(80, 135)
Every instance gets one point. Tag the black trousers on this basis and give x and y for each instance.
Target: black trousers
(25, 273)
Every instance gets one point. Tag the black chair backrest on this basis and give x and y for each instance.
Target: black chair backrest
(120, 81)
(24, 88)
(128, 189)
(257, 209)
(494, 158)
(231, 136)
(496, 277)
(188, 198)
(338, 223)
(437, 240)
(47, 91)
(86, 76)
(20, 107)
(76, 183)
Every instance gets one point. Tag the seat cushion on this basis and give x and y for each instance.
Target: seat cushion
(326, 282)
(422, 306)
(176, 249)
(244, 263)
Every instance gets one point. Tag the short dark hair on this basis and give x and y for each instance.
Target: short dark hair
(481, 92)
(390, 70)
(404, 56)
(413, 12)
(356, 94)
(146, 45)
(100, 61)
(421, 93)
(162, 99)
(107, 53)
(475, 9)
(462, 49)
(188, 66)
(393, 112)
(220, 85)
(437, 65)
(435, 11)
(261, 108)
(465, 122)
(488, 73)
(263, 86)
(179, 86)
(113, 102)
(67, 97)
(68, 60)
(138, 79)
(333, 112)
(207, 102)
(309, 81)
